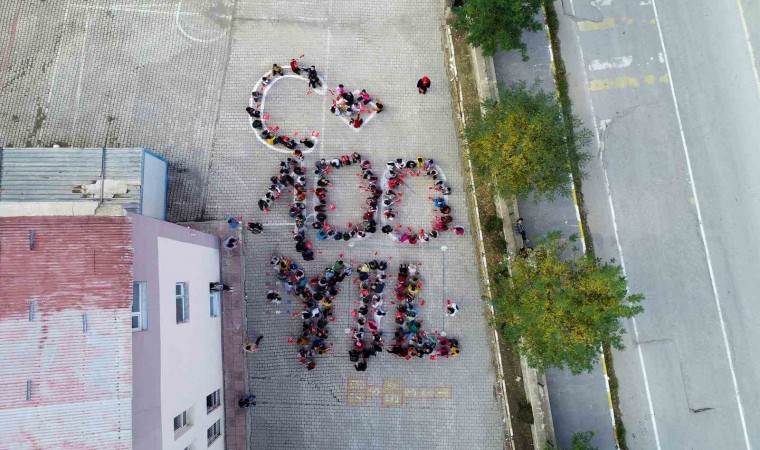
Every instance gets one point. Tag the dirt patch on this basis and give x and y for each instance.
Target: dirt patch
(466, 100)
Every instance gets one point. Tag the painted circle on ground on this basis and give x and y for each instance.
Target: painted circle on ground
(203, 20)
(260, 104)
(264, 90)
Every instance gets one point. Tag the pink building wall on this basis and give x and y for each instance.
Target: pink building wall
(149, 413)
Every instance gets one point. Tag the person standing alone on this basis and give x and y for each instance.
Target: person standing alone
(423, 84)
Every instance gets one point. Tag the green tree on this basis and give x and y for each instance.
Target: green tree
(559, 306)
(521, 144)
(497, 24)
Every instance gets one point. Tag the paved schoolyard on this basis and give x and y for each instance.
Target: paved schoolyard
(176, 77)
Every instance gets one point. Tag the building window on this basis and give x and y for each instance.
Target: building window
(139, 306)
(180, 421)
(214, 431)
(214, 303)
(213, 400)
(183, 302)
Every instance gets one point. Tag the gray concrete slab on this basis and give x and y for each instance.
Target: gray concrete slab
(688, 376)
(122, 75)
(175, 76)
(578, 402)
(511, 68)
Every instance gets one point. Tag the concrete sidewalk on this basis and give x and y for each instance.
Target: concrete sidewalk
(578, 402)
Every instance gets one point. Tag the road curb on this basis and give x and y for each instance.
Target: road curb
(582, 225)
(501, 388)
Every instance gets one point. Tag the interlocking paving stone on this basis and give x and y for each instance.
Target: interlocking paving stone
(182, 92)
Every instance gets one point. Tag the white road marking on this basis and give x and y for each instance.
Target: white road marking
(726, 343)
(356, 130)
(625, 274)
(81, 72)
(599, 3)
(55, 64)
(617, 239)
(272, 82)
(749, 44)
(661, 57)
(612, 63)
(193, 38)
(126, 6)
(321, 92)
(281, 224)
(145, 9)
(327, 66)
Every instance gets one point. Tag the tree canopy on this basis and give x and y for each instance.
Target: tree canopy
(521, 143)
(559, 309)
(497, 24)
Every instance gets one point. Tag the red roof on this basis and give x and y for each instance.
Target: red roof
(73, 348)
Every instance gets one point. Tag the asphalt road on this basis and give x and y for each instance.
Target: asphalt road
(672, 91)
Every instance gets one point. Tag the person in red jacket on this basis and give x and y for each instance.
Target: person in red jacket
(294, 67)
(423, 84)
(357, 121)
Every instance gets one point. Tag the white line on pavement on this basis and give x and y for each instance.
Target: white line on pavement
(326, 87)
(127, 6)
(144, 9)
(187, 34)
(612, 63)
(617, 238)
(633, 319)
(81, 73)
(57, 58)
(702, 233)
(749, 44)
(272, 82)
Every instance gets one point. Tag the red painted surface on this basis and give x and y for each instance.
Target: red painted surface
(76, 262)
(81, 380)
